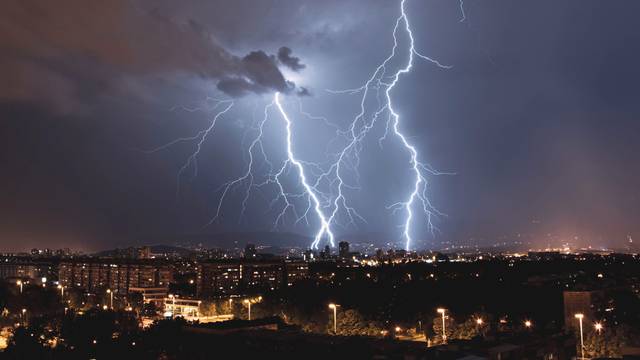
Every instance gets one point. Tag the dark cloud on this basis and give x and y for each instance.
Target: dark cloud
(258, 73)
(292, 62)
(50, 53)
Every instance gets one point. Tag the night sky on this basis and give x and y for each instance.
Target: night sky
(539, 117)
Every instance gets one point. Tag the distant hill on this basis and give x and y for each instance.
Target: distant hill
(240, 239)
(228, 240)
(155, 249)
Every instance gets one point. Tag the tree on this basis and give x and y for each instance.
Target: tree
(607, 343)
(351, 322)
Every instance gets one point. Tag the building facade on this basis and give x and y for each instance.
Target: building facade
(247, 276)
(119, 275)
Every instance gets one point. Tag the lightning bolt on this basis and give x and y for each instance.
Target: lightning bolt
(325, 188)
(200, 137)
(381, 85)
(325, 229)
(462, 13)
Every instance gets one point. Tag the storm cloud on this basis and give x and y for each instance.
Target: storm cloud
(292, 62)
(62, 56)
(258, 73)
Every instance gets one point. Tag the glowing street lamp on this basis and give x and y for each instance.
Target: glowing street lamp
(111, 297)
(248, 302)
(334, 307)
(580, 317)
(479, 321)
(444, 330)
(61, 287)
(528, 324)
(598, 326)
(19, 283)
(24, 315)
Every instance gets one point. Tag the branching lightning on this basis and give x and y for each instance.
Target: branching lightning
(323, 190)
(311, 192)
(378, 82)
(463, 14)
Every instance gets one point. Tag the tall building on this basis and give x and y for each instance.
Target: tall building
(326, 253)
(219, 277)
(144, 252)
(28, 268)
(588, 303)
(91, 274)
(343, 249)
(296, 270)
(246, 276)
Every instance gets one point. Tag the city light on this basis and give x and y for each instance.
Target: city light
(248, 302)
(444, 330)
(528, 323)
(479, 321)
(598, 326)
(580, 316)
(110, 298)
(19, 283)
(334, 307)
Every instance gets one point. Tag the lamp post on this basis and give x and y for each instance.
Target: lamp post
(24, 315)
(248, 302)
(444, 330)
(334, 307)
(479, 323)
(111, 298)
(19, 283)
(61, 287)
(580, 317)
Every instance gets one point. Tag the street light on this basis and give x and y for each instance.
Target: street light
(598, 326)
(479, 321)
(580, 317)
(334, 307)
(246, 301)
(528, 324)
(444, 330)
(111, 297)
(19, 283)
(24, 314)
(61, 287)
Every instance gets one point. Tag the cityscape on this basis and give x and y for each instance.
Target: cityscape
(168, 302)
(300, 179)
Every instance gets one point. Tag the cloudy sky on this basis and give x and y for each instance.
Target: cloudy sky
(538, 118)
